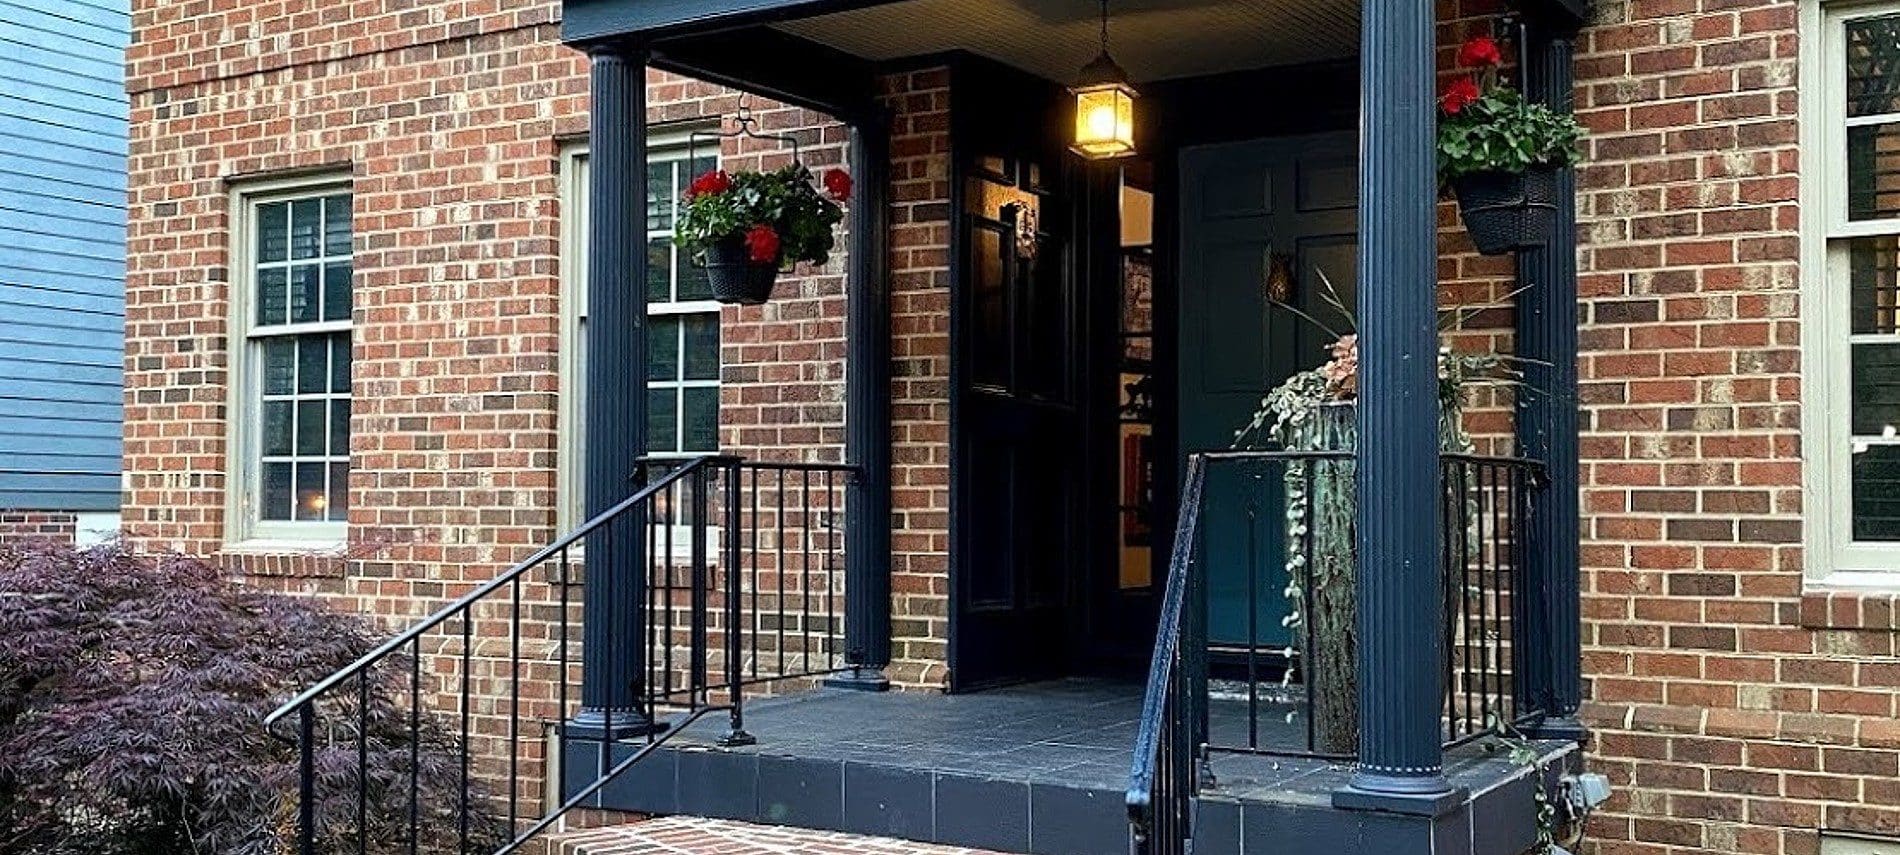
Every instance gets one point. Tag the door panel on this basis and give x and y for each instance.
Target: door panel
(1243, 204)
(1017, 458)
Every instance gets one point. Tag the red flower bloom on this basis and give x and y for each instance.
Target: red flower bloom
(710, 183)
(1480, 52)
(761, 244)
(1459, 94)
(838, 184)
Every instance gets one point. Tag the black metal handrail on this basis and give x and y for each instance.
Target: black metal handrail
(462, 603)
(1161, 782)
(731, 593)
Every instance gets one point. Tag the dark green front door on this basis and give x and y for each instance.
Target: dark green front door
(1246, 208)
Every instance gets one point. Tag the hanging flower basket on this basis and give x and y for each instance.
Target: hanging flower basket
(735, 278)
(1508, 211)
(1501, 154)
(745, 228)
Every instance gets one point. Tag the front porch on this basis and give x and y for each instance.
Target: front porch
(1038, 478)
(1043, 769)
(1180, 572)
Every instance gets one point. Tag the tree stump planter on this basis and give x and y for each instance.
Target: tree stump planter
(1321, 504)
(1321, 519)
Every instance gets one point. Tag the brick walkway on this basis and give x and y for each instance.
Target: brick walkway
(679, 835)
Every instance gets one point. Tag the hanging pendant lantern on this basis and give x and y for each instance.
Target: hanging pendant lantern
(1104, 106)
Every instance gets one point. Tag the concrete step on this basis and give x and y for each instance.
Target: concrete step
(684, 835)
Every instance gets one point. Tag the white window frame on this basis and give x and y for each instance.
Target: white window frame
(571, 499)
(244, 529)
(1833, 558)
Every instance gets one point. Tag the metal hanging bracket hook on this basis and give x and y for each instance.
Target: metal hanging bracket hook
(745, 121)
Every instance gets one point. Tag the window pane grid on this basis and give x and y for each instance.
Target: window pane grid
(300, 344)
(1863, 285)
(683, 333)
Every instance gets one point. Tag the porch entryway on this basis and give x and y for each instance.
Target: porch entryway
(1108, 321)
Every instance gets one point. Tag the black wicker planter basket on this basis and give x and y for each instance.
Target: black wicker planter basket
(1508, 211)
(735, 278)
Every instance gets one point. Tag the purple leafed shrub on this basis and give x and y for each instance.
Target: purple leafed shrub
(133, 691)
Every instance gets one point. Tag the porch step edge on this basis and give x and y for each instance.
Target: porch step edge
(687, 835)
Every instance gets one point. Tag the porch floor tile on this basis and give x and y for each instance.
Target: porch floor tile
(1077, 732)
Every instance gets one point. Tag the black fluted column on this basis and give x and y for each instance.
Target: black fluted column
(615, 393)
(867, 412)
(1547, 418)
(1401, 601)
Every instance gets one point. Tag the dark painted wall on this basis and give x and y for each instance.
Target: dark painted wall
(62, 251)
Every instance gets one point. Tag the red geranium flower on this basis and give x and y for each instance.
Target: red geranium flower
(761, 244)
(1480, 52)
(710, 183)
(838, 184)
(1458, 94)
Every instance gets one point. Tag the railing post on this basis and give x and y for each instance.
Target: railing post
(307, 779)
(1193, 654)
(613, 653)
(867, 623)
(735, 636)
(700, 595)
(1401, 616)
(1547, 421)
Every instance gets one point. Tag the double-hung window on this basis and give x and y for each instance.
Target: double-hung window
(682, 320)
(290, 419)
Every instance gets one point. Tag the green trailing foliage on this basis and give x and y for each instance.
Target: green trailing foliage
(785, 203)
(1502, 132)
(1484, 125)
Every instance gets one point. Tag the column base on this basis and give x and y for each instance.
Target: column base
(1432, 796)
(594, 724)
(860, 680)
(1567, 728)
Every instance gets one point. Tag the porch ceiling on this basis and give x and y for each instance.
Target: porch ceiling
(1152, 39)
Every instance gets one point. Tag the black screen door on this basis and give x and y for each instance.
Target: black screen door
(1017, 434)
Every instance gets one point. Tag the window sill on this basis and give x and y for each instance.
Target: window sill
(1859, 607)
(315, 558)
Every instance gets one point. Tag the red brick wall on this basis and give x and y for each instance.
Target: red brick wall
(920, 374)
(1734, 712)
(448, 121)
(28, 526)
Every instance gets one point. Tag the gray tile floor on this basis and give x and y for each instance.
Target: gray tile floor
(1040, 768)
(1075, 732)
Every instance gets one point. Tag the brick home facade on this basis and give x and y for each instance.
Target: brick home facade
(1734, 707)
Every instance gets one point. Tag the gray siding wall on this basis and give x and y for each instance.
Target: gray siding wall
(62, 252)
